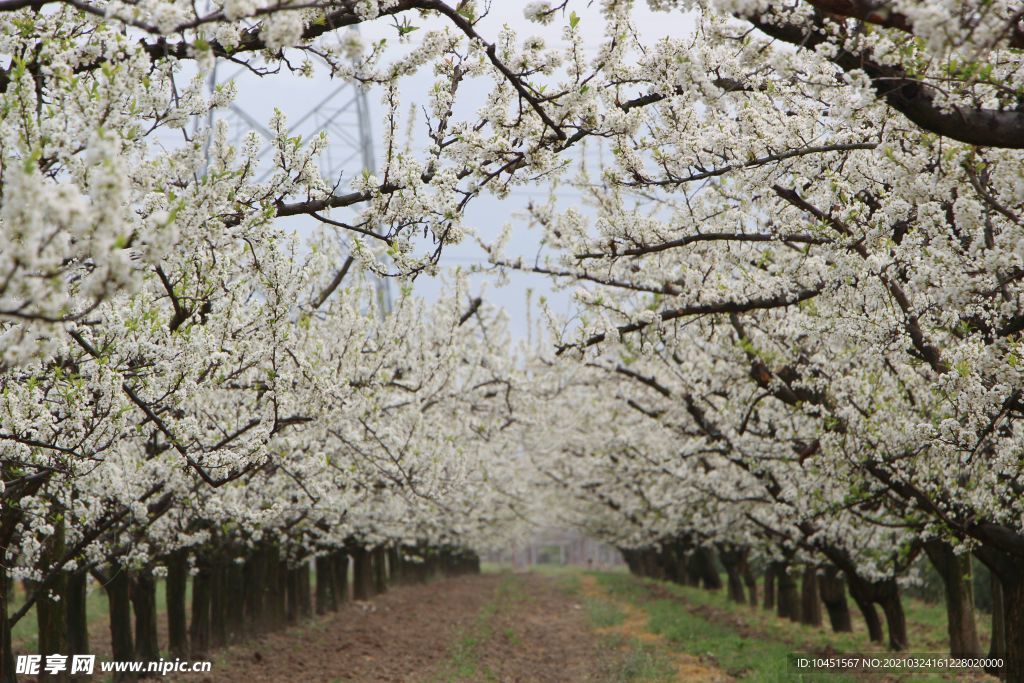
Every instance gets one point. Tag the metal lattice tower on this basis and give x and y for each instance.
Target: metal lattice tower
(343, 114)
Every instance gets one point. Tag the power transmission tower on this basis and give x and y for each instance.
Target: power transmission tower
(343, 114)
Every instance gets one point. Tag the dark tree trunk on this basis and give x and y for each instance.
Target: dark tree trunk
(1013, 627)
(394, 565)
(675, 561)
(200, 627)
(810, 605)
(119, 601)
(886, 594)
(51, 613)
(218, 605)
(78, 622)
(256, 591)
(380, 570)
(292, 594)
(174, 590)
(832, 588)
(769, 586)
(706, 569)
(997, 643)
(788, 595)
(751, 583)
(870, 614)
(305, 588)
(734, 560)
(275, 589)
(143, 594)
(955, 571)
(362, 578)
(895, 619)
(325, 598)
(234, 613)
(339, 572)
(6, 648)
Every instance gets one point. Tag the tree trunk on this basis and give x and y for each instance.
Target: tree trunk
(218, 605)
(325, 598)
(362, 578)
(894, 618)
(6, 648)
(810, 605)
(275, 590)
(78, 623)
(51, 612)
(751, 584)
(305, 598)
(200, 627)
(292, 595)
(380, 570)
(339, 569)
(997, 643)
(733, 560)
(955, 571)
(769, 586)
(832, 588)
(789, 596)
(143, 596)
(234, 613)
(704, 563)
(174, 590)
(394, 565)
(1013, 627)
(119, 601)
(256, 591)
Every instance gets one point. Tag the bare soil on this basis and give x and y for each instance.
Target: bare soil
(518, 628)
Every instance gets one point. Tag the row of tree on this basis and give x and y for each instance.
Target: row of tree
(797, 273)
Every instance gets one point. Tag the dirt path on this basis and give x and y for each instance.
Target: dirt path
(493, 627)
(530, 631)
(396, 637)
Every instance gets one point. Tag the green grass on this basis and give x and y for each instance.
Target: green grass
(752, 644)
(638, 663)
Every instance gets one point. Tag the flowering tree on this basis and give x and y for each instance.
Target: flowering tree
(797, 280)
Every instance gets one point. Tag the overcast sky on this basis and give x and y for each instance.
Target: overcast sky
(303, 101)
